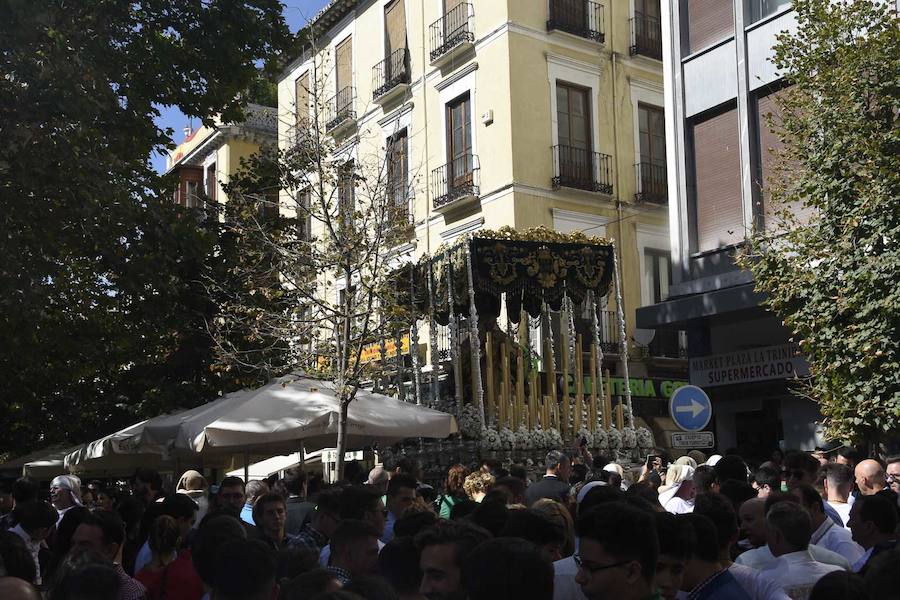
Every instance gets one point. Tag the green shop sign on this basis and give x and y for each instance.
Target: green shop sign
(641, 388)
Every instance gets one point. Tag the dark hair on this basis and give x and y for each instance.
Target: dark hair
(534, 526)
(294, 561)
(625, 532)
(401, 480)
(706, 540)
(15, 557)
(64, 532)
(793, 523)
(676, 538)
(358, 500)
(841, 585)
(850, 453)
(802, 461)
(579, 473)
(259, 506)
(704, 478)
(25, 489)
(737, 491)
(769, 476)
(464, 537)
(35, 515)
(109, 523)
(507, 568)
(456, 475)
(492, 515)
(721, 512)
(462, 509)
(148, 476)
(644, 490)
(350, 531)
(411, 523)
(520, 472)
(731, 466)
(598, 495)
(837, 474)
(211, 535)
(164, 534)
(178, 506)
(231, 481)
(776, 497)
(244, 569)
(878, 510)
(555, 458)
(371, 588)
(329, 500)
(515, 485)
(810, 497)
(90, 581)
(883, 573)
(405, 465)
(308, 585)
(493, 465)
(398, 562)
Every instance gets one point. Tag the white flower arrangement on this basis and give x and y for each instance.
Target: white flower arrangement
(507, 439)
(585, 434)
(552, 439)
(526, 439)
(470, 422)
(645, 438)
(490, 439)
(613, 438)
(600, 438)
(629, 438)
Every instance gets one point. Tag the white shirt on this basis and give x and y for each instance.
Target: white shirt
(679, 506)
(797, 573)
(761, 558)
(757, 586)
(837, 539)
(843, 509)
(34, 548)
(564, 585)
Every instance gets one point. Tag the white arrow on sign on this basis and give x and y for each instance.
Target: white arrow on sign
(695, 408)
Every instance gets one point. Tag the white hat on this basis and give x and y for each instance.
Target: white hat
(615, 468)
(676, 475)
(712, 460)
(71, 483)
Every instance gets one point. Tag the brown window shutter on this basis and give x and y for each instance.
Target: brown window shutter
(302, 89)
(717, 169)
(344, 59)
(709, 21)
(395, 26)
(451, 4)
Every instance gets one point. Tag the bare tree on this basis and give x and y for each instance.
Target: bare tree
(320, 222)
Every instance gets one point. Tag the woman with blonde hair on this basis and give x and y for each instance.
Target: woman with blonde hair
(477, 485)
(453, 490)
(561, 516)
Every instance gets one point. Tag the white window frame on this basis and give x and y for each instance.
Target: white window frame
(448, 94)
(653, 237)
(650, 93)
(586, 75)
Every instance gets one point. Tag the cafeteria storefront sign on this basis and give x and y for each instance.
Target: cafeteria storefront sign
(745, 366)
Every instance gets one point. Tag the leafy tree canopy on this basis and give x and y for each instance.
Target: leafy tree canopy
(102, 312)
(833, 277)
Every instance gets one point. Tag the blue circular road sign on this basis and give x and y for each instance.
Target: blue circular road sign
(690, 408)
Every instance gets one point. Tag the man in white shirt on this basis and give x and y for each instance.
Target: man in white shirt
(789, 532)
(36, 521)
(825, 533)
(838, 485)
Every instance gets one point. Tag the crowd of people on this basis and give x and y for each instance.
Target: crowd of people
(798, 526)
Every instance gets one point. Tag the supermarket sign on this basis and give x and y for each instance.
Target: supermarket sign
(373, 351)
(745, 366)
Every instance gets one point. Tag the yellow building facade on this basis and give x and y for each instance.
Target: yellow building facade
(519, 113)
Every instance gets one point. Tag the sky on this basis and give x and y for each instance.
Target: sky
(296, 12)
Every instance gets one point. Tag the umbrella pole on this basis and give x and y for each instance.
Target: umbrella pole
(246, 467)
(302, 454)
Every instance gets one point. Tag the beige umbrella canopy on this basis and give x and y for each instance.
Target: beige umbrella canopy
(277, 417)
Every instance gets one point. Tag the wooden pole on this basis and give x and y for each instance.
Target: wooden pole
(594, 394)
(607, 403)
(533, 395)
(507, 385)
(579, 384)
(489, 367)
(520, 385)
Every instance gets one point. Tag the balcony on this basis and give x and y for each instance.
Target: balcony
(578, 17)
(456, 184)
(646, 36)
(582, 169)
(652, 183)
(452, 34)
(390, 77)
(340, 112)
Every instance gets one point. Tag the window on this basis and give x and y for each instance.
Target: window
(346, 199)
(574, 131)
(760, 9)
(718, 206)
(192, 194)
(709, 21)
(304, 219)
(646, 30)
(397, 174)
(344, 64)
(395, 27)
(302, 95)
(459, 142)
(211, 182)
(652, 183)
(658, 270)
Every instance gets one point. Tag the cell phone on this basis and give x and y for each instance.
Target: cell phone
(650, 460)
(583, 442)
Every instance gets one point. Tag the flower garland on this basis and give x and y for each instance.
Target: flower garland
(507, 439)
(470, 422)
(585, 434)
(645, 438)
(600, 438)
(629, 438)
(490, 439)
(614, 438)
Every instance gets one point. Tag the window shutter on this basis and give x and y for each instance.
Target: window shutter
(717, 169)
(395, 26)
(709, 21)
(302, 90)
(344, 60)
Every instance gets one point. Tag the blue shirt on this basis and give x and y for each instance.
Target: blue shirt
(388, 534)
(247, 514)
(722, 585)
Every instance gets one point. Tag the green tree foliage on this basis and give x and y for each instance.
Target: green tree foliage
(833, 277)
(102, 310)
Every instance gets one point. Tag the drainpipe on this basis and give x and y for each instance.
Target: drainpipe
(425, 129)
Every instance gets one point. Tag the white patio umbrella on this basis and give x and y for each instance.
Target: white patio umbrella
(118, 452)
(277, 417)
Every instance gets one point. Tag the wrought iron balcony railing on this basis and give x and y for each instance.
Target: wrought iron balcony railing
(455, 28)
(652, 183)
(646, 36)
(581, 169)
(340, 108)
(578, 17)
(391, 72)
(457, 179)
